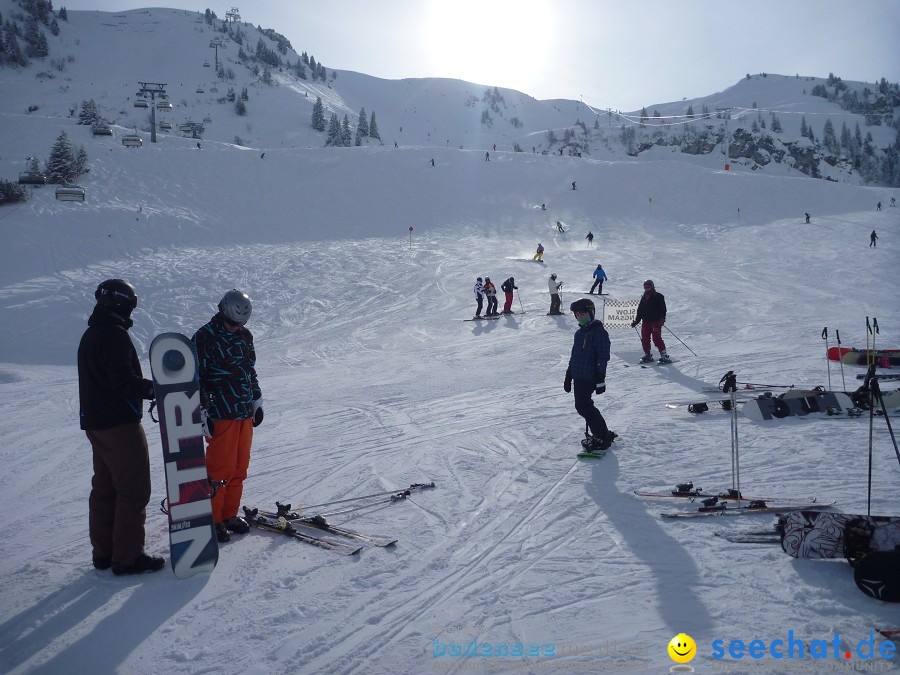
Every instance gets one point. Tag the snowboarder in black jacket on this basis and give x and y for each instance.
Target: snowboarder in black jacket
(587, 369)
(111, 392)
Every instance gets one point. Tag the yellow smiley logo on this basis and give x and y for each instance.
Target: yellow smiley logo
(682, 648)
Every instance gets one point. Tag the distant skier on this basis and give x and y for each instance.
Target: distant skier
(878, 206)
(590, 239)
(807, 218)
(198, 146)
(587, 368)
(543, 207)
(432, 161)
(539, 254)
(491, 292)
(262, 156)
(893, 202)
(559, 226)
(479, 296)
(553, 286)
(495, 147)
(508, 287)
(573, 184)
(599, 278)
(873, 238)
(487, 157)
(651, 314)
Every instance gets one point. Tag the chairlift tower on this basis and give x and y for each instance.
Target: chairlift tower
(217, 44)
(154, 89)
(726, 113)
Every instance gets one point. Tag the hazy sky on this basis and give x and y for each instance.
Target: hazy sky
(622, 55)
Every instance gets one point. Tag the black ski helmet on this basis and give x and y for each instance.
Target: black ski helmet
(236, 306)
(583, 305)
(117, 294)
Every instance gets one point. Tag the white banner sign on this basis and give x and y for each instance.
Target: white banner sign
(619, 313)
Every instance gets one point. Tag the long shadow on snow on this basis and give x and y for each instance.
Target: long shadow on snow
(676, 574)
(112, 639)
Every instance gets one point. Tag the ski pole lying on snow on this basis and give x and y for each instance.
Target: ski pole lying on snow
(404, 491)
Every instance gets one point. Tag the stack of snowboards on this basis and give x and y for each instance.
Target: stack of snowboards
(799, 402)
(883, 358)
(870, 543)
(192, 535)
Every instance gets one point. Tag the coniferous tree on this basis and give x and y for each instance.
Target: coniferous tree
(334, 131)
(643, 115)
(318, 115)
(362, 127)
(14, 53)
(240, 107)
(373, 127)
(829, 140)
(81, 159)
(690, 112)
(63, 14)
(244, 95)
(61, 167)
(89, 113)
(54, 27)
(346, 134)
(804, 129)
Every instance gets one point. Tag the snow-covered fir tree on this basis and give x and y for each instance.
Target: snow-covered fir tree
(318, 115)
(62, 167)
(362, 126)
(373, 127)
(89, 113)
(346, 134)
(334, 131)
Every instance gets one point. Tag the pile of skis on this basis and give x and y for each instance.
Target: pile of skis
(315, 529)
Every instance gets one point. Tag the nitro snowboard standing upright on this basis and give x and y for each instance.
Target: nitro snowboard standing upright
(192, 535)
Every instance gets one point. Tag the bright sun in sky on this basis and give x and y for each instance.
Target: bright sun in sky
(492, 42)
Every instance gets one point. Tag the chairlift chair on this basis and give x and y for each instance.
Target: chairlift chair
(141, 103)
(32, 178)
(70, 193)
(132, 141)
(200, 90)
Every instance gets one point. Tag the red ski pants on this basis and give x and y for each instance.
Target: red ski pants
(652, 329)
(227, 458)
(507, 306)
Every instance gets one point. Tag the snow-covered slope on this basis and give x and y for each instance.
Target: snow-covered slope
(372, 381)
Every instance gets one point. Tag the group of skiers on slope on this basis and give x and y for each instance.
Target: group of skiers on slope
(484, 288)
(112, 389)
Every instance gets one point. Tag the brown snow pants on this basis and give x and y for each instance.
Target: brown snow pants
(120, 491)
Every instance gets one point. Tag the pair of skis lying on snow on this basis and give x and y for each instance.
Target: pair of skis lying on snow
(870, 543)
(310, 529)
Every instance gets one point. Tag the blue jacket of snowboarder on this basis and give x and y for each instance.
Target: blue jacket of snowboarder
(590, 353)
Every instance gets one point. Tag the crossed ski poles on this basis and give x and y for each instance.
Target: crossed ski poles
(373, 500)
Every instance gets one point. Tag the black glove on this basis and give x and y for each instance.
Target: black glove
(567, 383)
(146, 390)
(600, 387)
(634, 323)
(257, 412)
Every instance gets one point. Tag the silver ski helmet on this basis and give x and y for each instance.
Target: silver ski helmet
(117, 294)
(236, 307)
